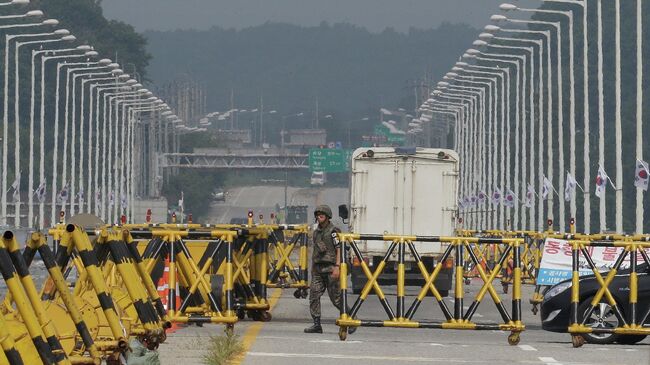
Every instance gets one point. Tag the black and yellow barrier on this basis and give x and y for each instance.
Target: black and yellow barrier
(200, 303)
(28, 305)
(287, 271)
(402, 317)
(234, 268)
(631, 322)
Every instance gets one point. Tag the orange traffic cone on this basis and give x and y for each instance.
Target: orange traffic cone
(163, 292)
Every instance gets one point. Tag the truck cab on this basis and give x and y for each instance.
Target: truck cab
(403, 191)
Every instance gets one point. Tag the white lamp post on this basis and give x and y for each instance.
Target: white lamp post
(55, 154)
(15, 2)
(492, 171)
(517, 62)
(519, 139)
(572, 107)
(88, 52)
(30, 184)
(531, 94)
(487, 91)
(57, 33)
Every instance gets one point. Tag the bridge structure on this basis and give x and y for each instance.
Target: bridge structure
(236, 162)
(549, 126)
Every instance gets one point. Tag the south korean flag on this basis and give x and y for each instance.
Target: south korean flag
(642, 175)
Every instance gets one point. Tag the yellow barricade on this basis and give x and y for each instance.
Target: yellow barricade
(402, 316)
(630, 321)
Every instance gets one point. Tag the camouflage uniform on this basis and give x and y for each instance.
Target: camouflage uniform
(323, 263)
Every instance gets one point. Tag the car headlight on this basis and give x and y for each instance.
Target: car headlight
(557, 289)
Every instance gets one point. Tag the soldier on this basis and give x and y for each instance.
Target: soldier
(325, 267)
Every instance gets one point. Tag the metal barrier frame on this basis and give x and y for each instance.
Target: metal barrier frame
(403, 317)
(631, 326)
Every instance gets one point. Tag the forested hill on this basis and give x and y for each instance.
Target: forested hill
(347, 67)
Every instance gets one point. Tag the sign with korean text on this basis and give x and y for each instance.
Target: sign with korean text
(556, 261)
(329, 160)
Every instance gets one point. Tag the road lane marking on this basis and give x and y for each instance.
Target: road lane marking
(251, 333)
(527, 348)
(335, 341)
(549, 361)
(360, 357)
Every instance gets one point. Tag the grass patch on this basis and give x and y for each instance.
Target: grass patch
(222, 349)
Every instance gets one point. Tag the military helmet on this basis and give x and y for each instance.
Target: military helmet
(325, 209)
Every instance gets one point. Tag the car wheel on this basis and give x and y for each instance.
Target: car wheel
(630, 339)
(602, 317)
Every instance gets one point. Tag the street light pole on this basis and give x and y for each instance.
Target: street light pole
(601, 116)
(618, 125)
(639, 108)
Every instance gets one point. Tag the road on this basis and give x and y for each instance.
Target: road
(263, 200)
(282, 340)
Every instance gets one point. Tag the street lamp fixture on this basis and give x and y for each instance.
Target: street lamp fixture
(508, 7)
(486, 36)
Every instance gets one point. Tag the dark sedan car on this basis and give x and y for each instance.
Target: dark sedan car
(556, 308)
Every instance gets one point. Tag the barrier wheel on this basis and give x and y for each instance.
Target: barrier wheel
(577, 341)
(534, 310)
(265, 316)
(468, 281)
(230, 329)
(304, 293)
(241, 314)
(513, 339)
(343, 333)
(505, 288)
(297, 294)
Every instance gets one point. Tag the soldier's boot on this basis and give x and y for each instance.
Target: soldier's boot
(316, 327)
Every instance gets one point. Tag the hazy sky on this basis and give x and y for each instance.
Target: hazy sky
(372, 14)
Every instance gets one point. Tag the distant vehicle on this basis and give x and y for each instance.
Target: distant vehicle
(219, 196)
(318, 178)
(556, 306)
(238, 220)
(404, 191)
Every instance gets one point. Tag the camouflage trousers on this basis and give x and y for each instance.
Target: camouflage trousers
(321, 282)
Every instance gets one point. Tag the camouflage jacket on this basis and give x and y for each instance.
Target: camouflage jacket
(324, 250)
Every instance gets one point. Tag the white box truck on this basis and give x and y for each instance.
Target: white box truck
(404, 191)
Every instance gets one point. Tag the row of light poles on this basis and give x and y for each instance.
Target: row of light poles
(507, 99)
(92, 134)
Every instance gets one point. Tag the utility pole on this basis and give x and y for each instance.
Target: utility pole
(261, 136)
(316, 112)
(232, 108)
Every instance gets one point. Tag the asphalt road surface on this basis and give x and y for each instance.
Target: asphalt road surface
(282, 340)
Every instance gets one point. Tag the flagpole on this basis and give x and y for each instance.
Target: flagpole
(618, 125)
(601, 115)
(639, 109)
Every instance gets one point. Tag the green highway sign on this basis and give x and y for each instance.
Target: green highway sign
(329, 160)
